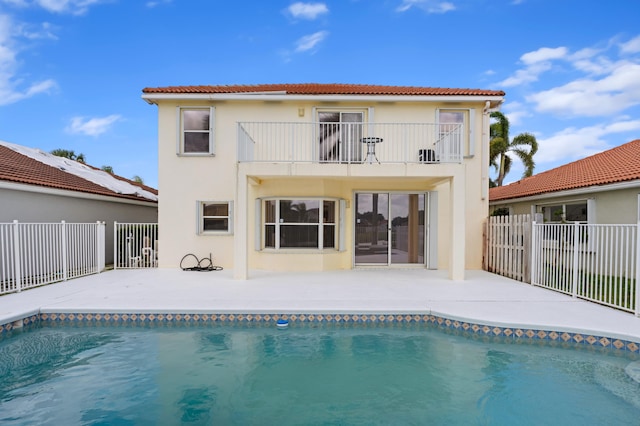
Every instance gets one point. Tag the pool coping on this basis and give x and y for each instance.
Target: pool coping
(531, 334)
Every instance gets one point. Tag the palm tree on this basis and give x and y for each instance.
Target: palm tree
(524, 146)
(137, 179)
(107, 169)
(70, 154)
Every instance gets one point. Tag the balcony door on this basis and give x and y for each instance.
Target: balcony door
(390, 228)
(340, 138)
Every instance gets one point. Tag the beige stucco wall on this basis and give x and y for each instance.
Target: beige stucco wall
(183, 180)
(618, 206)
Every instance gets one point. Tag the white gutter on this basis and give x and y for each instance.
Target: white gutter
(152, 98)
(14, 186)
(571, 192)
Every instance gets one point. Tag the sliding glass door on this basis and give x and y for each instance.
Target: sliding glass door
(390, 228)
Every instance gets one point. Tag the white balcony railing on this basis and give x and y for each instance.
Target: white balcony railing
(350, 143)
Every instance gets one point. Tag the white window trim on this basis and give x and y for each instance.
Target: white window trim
(200, 218)
(260, 235)
(591, 210)
(180, 133)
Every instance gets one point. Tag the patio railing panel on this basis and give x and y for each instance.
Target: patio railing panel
(135, 245)
(350, 143)
(35, 254)
(598, 263)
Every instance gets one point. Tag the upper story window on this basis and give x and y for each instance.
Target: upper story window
(196, 131)
(455, 123)
(340, 136)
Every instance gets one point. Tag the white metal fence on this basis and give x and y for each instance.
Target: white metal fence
(135, 245)
(35, 254)
(507, 246)
(350, 143)
(593, 262)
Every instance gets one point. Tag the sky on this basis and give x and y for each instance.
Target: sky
(72, 71)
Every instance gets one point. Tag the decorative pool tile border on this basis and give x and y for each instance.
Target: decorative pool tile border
(515, 333)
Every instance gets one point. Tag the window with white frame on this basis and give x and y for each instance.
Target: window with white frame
(292, 223)
(196, 131)
(575, 212)
(215, 217)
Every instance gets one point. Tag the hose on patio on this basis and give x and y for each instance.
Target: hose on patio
(200, 266)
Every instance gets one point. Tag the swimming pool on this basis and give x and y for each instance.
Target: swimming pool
(307, 373)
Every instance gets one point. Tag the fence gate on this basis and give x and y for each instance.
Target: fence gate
(135, 245)
(507, 246)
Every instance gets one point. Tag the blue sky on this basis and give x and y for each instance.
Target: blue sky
(72, 71)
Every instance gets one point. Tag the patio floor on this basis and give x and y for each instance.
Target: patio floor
(482, 298)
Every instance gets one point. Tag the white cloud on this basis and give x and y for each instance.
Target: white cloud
(632, 46)
(573, 143)
(543, 54)
(590, 97)
(13, 89)
(74, 7)
(307, 10)
(91, 126)
(526, 75)
(429, 6)
(152, 4)
(310, 41)
(515, 112)
(536, 63)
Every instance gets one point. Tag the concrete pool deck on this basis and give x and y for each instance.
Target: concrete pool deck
(482, 298)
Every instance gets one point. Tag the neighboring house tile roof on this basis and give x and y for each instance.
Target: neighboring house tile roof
(326, 89)
(618, 164)
(17, 167)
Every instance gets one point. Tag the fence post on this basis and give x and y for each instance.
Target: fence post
(534, 251)
(116, 248)
(637, 282)
(100, 246)
(63, 238)
(574, 266)
(16, 256)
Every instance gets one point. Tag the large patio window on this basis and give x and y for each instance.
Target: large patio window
(300, 223)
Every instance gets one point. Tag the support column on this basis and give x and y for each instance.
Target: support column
(457, 207)
(240, 245)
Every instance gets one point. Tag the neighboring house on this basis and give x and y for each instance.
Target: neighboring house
(313, 177)
(36, 186)
(601, 189)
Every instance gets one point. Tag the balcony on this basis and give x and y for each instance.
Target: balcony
(350, 143)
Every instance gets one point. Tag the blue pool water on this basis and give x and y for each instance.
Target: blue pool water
(306, 374)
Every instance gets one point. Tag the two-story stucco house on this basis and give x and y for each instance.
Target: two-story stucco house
(314, 177)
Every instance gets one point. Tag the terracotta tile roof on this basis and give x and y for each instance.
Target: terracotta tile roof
(20, 168)
(326, 89)
(618, 164)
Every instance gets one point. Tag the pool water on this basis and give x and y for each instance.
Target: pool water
(306, 374)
